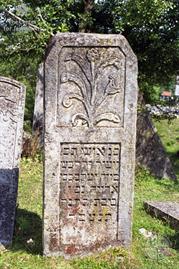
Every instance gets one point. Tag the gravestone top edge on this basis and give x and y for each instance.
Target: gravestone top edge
(12, 81)
(91, 40)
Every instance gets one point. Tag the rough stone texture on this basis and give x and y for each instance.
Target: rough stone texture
(38, 106)
(168, 211)
(12, 100)
(90, 126)
(150, 151)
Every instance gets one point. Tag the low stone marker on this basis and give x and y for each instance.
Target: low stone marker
(12, 101)
(167, 211)
(90, 129)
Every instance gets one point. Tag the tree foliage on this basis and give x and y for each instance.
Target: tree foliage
(151, 27)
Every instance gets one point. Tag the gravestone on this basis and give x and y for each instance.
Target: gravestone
(150, 151)
(90, 126)
(38, 106)
(12, 100)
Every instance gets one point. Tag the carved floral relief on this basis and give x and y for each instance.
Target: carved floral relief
(92, 78)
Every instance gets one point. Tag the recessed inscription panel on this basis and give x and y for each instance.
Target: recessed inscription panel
(91, 87)
(89, 191)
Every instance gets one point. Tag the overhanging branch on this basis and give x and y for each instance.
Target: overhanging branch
(30, 25)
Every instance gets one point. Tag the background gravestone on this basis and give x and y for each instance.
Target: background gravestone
(38, 106)
(150, 151)
(90, 126)
(12, 101)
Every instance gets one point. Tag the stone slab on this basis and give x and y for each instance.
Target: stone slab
(168, 211)
(12, 101)
(90, 128)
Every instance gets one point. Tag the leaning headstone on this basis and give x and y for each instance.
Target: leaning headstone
(38, 106)
(165, 210)
(90, 126)
(150, 151)
(12, 100)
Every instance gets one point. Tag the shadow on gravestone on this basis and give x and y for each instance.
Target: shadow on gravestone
(12, 101)
(8, 195)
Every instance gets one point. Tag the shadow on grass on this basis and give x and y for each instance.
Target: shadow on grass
(174, 241)
(174, 157)
(28, 232)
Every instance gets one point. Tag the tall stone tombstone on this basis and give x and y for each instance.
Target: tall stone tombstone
(12, 100)
(90, 129)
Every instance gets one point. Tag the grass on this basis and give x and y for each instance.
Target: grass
(159, 252)
(169, 134)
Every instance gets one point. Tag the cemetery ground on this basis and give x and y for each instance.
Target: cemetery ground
(155, 245)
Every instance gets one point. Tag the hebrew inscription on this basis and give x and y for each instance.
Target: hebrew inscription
(91, 87)
(89, 190)
(12, 99)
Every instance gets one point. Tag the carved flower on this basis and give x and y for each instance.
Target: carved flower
(93, 54)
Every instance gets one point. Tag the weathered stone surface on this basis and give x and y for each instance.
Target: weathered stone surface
(90, 126)
(150, 151)
(12, 99)
(38, 117)
(168, 211)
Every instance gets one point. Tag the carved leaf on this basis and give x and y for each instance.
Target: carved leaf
(80, 119)
(108, 116)
(67, 100)
(74, 78)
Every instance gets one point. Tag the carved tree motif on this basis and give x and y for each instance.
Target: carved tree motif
(98, 61)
